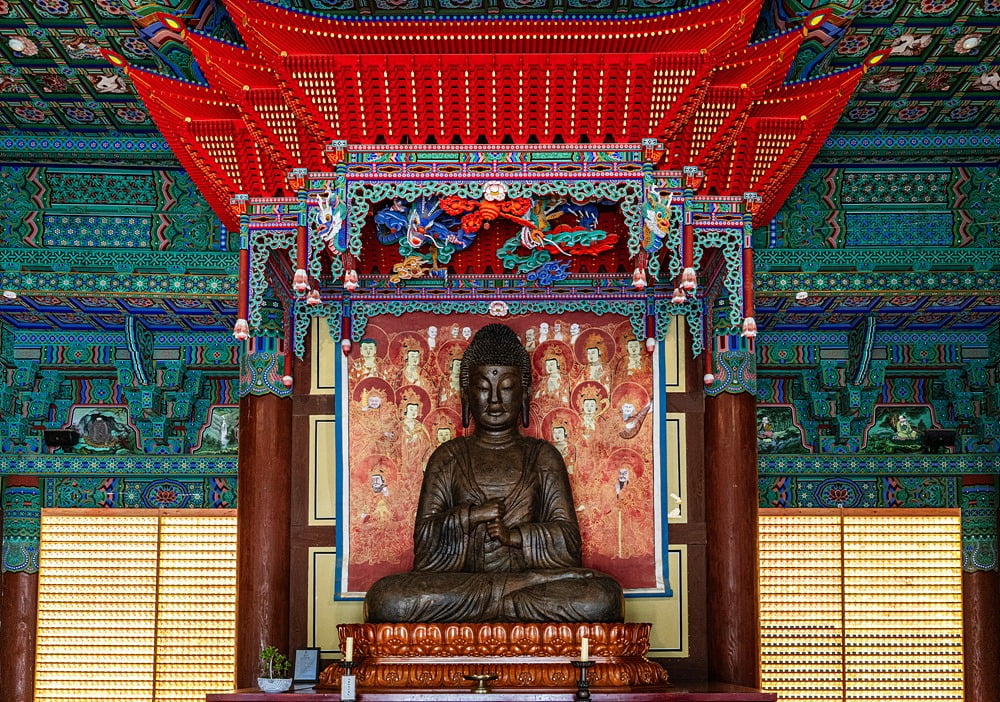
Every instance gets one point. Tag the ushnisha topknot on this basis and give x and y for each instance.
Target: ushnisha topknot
(496, 345)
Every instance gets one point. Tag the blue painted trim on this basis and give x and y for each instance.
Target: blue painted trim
(20, 145)
(118, 464)
(857, 464)
(918, 141)
(340, 409)
(660, 449)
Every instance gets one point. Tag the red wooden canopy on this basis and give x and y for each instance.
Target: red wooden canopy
(688, 79)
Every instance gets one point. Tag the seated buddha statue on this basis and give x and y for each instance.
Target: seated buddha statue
(496, 537)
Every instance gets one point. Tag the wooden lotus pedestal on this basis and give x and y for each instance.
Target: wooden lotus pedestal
(521, 656)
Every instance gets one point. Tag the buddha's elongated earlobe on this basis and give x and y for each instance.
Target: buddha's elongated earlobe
(465, 412)
(525, 407)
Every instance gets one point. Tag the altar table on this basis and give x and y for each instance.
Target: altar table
(694, 692)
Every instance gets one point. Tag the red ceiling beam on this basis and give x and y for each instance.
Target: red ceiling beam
(707, 129)
(208, 135)
(274, 30)
(782, 133)
(255, 90)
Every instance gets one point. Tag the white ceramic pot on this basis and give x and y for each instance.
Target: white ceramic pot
(274, 684)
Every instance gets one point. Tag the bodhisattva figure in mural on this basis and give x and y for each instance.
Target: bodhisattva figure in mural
(496, 537)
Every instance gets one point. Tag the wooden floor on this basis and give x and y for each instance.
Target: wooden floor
(708, 692)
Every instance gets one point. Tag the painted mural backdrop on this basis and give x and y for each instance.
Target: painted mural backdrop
(221, 433)
(592, 398)
(899, 429)
(103, 429)
(777, 431)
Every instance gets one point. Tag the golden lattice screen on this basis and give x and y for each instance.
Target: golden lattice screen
(861, 605)
(136, 604)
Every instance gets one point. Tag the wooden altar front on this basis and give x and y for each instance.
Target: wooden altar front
(519, 656)
(702, 692)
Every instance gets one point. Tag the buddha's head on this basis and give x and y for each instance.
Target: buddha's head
(495, 379)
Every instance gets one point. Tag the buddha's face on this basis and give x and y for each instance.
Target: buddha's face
(593, 355)
(494, 395)
(551, 366)
(368, 349)
(633, 347)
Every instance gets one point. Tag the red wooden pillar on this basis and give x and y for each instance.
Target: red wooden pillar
(980, 589)
(264, 532)
(19, 594)
(17, 636)
(733, 630)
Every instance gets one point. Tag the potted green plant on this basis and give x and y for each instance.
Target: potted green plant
(274, 670)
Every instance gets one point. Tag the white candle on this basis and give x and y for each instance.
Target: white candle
(584, 649)
(349, 649)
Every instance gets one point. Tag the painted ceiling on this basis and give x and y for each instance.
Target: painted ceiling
(941, 75)
(65, 111)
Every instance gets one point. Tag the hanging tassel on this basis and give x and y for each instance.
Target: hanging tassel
(689, 281)
(639, 278)
(287, 380)
(650, 330)
(350, 280)
(241, 330)
(709, 375)
(301, 280)
(345, 333)
(749, 324)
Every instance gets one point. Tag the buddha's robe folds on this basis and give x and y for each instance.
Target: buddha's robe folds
(462, 575)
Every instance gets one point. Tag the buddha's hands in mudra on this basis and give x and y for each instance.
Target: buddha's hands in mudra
(492, 512)
(499, 532)
(489, 511)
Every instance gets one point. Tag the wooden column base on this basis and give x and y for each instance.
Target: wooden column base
(522, 656)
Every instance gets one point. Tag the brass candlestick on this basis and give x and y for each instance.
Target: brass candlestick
(582, 683)
(481, 680)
